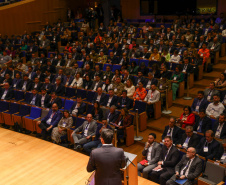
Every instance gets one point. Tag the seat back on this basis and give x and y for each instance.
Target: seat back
(105, 65)
(14, 107)
(35, 112)
(70, 92)
(18, 95)
(82, 93)
(89, 108)
(4, 105)
(135, 60)
(141, 106)
(146, 62)
(214, 172)
(90, 95)
(27, 96)
(114, 67)
(68, 104)
(44, 113)
(79, 122)
(80, 63)
(24, 110)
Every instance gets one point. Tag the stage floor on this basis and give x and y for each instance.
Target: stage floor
(28, 160)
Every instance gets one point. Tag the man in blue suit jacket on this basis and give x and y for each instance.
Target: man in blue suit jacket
(50, 121)
(199, 103)
(219, 127)
(35, 98)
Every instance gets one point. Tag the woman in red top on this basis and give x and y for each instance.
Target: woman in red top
(187, 118)
(204, 53)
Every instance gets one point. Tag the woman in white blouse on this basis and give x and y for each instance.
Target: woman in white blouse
(175, 57)
(77, 82)
(130, 88)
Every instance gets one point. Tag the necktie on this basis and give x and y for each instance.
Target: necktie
(169, 132)
(186, 167)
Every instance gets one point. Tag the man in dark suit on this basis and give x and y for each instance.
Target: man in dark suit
(202, 122)
(168, 159)
(50, 121)
(36, 85)
(97, 83)
(78, 107)
(47, 85)
(58, 88)
(146, 54)
(35, 98)
(219, 127)
(199, 103)
(173, 131)
(208, 146)
(150, 81)
(16, 81)
(88, 129)
(99, 96)
(188, 139)
(190, 167)
(124, 101)
(55, 99)
(186, 67)
(151, 152)
(111, 115)
(59, 61)
(209, 92)
(61, 76)
(107, 161)
(6, 93)
(112, 59)
(140, 78)
(127, 76)
(45, 98)
(25, 84)
(111, 99)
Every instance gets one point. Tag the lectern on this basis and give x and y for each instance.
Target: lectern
(132, 171)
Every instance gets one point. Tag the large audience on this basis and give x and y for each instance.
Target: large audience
(121, 64)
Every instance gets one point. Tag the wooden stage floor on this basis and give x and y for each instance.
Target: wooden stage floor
(28, 160)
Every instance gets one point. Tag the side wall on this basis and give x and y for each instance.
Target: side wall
(30, 15)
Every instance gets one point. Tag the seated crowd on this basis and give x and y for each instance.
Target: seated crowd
(121, 64)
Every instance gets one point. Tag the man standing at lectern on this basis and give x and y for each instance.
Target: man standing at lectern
(107, 161)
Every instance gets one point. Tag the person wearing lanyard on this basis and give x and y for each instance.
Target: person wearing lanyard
(202, 122)
(209, 92)
(35, 98)
(222, 153)
(140, 92)
(168, 159)
(188, 139)
(124, 120)
(176, 78)
(111, 115)
(78, 107)
(216, 108)
(97, 142)
(49, 121)
(208, 147)
(152, 97)
(88, 129)
(219, 127)
(190, 167)
(199, 103)
(45, 98)
(151, 152)
(61, 130)
(6, 93)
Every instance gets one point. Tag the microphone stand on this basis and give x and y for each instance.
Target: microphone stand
(127, 174)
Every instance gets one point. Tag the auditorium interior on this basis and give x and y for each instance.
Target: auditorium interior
(142, 68)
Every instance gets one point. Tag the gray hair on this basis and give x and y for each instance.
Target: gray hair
(189, 128)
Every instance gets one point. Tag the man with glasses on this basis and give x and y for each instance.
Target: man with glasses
(188, 139)
(190, 167)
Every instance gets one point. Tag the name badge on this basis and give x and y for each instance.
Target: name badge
(160, 87)
(175, 78)
(64, 124)
(208, 98)
(185, 145)
(205, 149)
(197, 108)
(183, 71)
